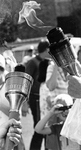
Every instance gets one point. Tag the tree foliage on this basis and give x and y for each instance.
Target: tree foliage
(8, 30)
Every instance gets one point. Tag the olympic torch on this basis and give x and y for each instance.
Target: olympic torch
(18, 86)
(61, 50)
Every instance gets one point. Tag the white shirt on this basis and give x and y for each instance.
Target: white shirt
(58, 80)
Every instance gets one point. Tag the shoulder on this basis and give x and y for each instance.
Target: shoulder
(31, 66)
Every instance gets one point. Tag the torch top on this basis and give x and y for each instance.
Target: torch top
(18, 82)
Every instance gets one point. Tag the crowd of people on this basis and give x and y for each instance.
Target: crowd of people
(52, 88)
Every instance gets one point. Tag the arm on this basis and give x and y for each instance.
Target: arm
(51, 78)
(41, 125)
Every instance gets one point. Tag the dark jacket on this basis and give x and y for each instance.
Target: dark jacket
(32, 68)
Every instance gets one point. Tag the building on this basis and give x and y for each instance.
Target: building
(68, 16)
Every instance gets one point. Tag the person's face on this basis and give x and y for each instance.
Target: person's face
(62, 116)
(46, 54)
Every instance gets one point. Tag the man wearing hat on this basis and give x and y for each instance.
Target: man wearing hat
(32, 68)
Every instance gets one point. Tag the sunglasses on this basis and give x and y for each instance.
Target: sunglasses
(64, 108)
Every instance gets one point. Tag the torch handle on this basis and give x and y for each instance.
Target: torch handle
(10, 144)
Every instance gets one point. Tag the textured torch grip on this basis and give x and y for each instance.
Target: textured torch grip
(14, 114)
(10, 144)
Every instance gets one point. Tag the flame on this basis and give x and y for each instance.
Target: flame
(29, 15)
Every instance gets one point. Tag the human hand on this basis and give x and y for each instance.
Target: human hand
(74, 86)
(55, 109)
(14, 130)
